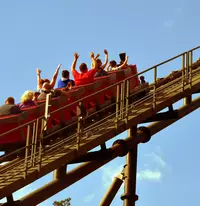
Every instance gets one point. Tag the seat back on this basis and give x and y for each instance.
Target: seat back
(128, 72)
(56, 117)
(33, 112)
(99, 84)
(120, 75)
(8, 123)
(73, 95)
(134, 82)
(89, 102)
(113, 80)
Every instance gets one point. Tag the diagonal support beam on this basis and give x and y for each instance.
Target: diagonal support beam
(112, 191)
(162, 116)
(90, 156)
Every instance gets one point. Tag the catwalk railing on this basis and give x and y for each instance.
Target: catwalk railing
(35, 149)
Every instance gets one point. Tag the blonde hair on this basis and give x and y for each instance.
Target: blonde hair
(27, 96)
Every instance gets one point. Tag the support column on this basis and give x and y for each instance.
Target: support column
(103, 146)
(188, 100)
(129, 197)
(60, 172)
(10, 199)
(171, 109)
(112, 191)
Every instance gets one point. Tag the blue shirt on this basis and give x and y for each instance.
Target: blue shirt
(64, 83)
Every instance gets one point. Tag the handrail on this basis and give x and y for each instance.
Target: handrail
(73, 137)
(193, 49)
(52, 145)
(128, 78)
(111, 86)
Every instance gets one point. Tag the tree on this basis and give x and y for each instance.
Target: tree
(65, 202)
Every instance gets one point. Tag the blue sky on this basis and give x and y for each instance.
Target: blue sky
(46, 33)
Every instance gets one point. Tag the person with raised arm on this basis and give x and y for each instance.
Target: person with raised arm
(85, 76)
(40, 81)
(113, 65)
(101, 67)
(47, 89)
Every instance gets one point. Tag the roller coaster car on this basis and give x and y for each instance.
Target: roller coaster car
(95, 106)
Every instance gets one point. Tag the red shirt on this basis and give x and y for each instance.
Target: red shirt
(84, 78)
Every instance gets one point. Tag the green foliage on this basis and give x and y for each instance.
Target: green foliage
(65, 202)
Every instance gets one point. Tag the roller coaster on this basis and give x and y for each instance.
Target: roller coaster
(63, 131)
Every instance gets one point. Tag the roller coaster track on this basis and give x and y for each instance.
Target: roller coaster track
(23, 170)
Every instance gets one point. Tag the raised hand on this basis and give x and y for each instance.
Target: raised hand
(92, 55)
(76, 56)
(38, 71)
(105, 52)
(59, 66)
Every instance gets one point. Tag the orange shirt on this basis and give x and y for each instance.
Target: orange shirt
(84, 78)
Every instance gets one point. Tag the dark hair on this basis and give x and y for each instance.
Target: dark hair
(113, 63)
(65, 74)
(10, 100)
(122, 57)
(99, 61)
(42, 81)
(141, 77)
(83, 67)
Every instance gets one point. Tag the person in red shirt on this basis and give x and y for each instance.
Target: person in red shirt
(85, 76)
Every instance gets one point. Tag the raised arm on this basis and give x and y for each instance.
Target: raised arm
(96, 57)
(54, 78)
(106, 59)
(124, 64)
(94, 61)
(73, 67)
(39, 86)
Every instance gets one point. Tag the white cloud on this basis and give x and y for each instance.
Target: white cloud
(157, 159)
(153, 169)
(149, 175)
(109, 173)
(144, 174)
(89, 198)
